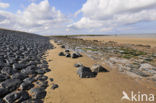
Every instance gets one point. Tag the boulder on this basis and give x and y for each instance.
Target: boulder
(62, 46)
(98, 68)
(3, 92)
(29, 80)
(7, 70)
(26, 86)
(85, 72)
(18, 66)
(67, 55)
(76, 55)
(28, 71)
(37, 93)
(61, 54)
(23, 96)
(12, 97)
(51, 79)
(20, 76)
(16, 96)
(67, 51)
(10, 84)
(3, 77)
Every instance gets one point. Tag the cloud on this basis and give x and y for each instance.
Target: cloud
(4, 5)
(38, 18)
(108, 14)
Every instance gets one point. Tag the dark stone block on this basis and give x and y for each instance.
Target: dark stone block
(26, 86)
(11, 84)
(37, 93)
(68, 55)
(10, 98)
(3, 92)
(85, 72)
(3, 77)
(54, 86)
(7, 70)
(29, 80)
(51, 79)
(20, 76)
(61, 54)
(67, 51)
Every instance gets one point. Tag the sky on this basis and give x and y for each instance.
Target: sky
(62, 17)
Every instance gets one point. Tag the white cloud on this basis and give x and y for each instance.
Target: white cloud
(38, 18)
(106, 14)
(4, 5)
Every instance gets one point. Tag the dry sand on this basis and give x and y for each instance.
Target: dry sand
(124, 39)
(105, 88)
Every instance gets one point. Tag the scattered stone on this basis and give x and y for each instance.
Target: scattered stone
(74, 55)
(61, 54)
(67, 55)
(54, 86)
(62, 46)
(51, 79)
(78, 65)
(67, 51)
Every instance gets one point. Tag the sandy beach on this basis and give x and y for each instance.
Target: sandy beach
(105, 88)
(124, 39)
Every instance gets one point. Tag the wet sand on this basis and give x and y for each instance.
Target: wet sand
(105, 88)
(124, 39)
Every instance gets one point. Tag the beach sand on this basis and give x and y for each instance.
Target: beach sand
(105, 88)
(124, 39)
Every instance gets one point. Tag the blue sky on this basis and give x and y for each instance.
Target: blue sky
(79, 16)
